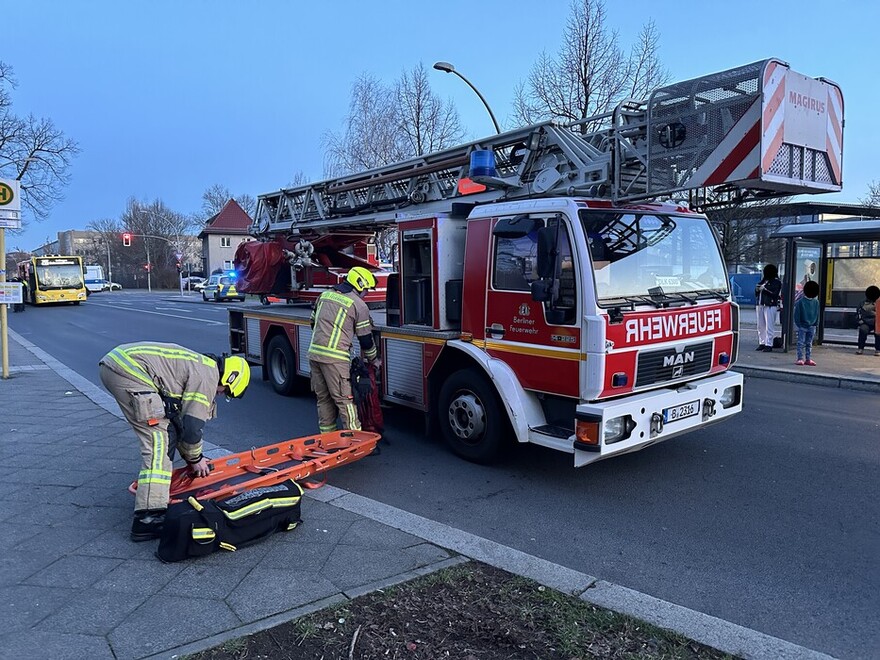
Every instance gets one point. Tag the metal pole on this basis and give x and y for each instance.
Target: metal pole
(485, 103)
(4, 319)
(149, 266)
(109, 268)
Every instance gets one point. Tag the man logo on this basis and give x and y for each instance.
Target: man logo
(678, 359)
(524, 310)
(678, 372)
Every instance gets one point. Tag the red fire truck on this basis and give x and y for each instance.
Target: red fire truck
(541, 294)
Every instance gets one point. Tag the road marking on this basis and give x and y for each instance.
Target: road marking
(176, 316)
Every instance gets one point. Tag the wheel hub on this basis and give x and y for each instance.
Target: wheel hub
(279, 367)
(467, 417)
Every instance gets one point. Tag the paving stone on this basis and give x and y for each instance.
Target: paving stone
(74, 571)
(38, 476)
(58, 541)
(10, 508)
(294, 552)
(16, 565)
(165, 622)
(116, 543)
(269, 591)
(200, 580)
(352, 566)
(371, 534)
(55, 645)
(93, 612)
(98, 517)
(15, 532)
(22, 606)
(41, 513)
(93, 496)
(42, 493)
(139, 577)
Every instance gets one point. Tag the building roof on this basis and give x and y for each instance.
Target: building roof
(813, 208)
(231, 220)
(833, 232)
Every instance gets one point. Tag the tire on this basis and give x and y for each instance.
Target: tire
(264, 300)
(471, 417)
(204, 297)
(77, 302)
(281, 366)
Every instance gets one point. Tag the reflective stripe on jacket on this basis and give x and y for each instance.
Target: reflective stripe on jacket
(336, 320)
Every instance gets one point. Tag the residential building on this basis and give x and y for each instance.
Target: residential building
(222, 235)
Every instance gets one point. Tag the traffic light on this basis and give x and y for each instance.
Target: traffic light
(179, 267)
(126, 239)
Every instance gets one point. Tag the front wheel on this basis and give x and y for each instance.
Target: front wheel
(204, 297)
(281, 365)
(471, 417)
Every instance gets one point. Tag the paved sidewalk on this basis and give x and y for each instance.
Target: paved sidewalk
(836, 365)
(72, 584)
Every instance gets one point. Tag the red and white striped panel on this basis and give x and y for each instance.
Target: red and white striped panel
(834, 144)
(736, 157)
(773, 116)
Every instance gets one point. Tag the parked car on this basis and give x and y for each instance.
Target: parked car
(193, 282)
(111, 286)
(221, 287)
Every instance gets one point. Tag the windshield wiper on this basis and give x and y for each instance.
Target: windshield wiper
(710, 293)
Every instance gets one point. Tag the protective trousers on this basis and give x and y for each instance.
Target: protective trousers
(331, 383)
(154, 478)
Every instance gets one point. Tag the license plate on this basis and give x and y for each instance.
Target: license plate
(680, 412)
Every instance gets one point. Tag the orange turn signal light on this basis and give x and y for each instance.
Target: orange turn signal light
(587, 432)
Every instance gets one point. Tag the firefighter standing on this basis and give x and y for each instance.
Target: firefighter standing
(166, 393)
(339, 316)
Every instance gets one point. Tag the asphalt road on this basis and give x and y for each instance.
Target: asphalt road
(771, 520)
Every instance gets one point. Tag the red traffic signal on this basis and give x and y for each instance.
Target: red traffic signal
(126, 239)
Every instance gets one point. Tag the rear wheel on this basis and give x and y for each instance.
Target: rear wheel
(471, 418)
(281, 366)
(204, 296)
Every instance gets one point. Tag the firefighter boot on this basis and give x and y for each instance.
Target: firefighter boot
(147, 525)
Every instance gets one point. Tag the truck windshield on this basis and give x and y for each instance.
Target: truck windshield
(652, 258)
(59, 277)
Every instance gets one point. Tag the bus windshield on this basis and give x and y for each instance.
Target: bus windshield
(653, 258)
(59, 276)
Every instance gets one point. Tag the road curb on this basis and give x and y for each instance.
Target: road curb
(704, 628)
(822, 380)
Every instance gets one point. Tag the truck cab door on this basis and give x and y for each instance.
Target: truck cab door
(539, 339)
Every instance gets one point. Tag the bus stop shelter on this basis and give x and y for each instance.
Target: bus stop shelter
(807, 258)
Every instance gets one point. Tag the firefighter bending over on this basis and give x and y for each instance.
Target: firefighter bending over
(340, 315)
(166, 393)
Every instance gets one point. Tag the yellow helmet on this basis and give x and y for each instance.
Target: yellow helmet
(236, 375)
(360, 278)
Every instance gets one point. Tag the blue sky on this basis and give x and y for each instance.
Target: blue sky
(167, 98)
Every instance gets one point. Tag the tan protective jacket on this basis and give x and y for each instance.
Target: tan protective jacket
(336, 320)
(186, 377)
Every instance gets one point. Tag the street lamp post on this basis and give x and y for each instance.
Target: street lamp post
(446, 67)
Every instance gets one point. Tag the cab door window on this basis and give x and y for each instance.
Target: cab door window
(515, 266)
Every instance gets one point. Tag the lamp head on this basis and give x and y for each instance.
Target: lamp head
(444, 66)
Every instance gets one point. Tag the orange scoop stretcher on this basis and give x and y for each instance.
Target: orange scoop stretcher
(297, 459)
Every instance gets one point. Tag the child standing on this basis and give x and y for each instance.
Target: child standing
(806, 318)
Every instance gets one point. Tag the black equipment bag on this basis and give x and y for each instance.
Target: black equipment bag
(195, 528)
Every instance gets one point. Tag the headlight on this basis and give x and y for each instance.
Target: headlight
(618, 428)
(729, 397)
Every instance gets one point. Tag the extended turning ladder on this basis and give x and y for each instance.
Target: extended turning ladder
(759, 130)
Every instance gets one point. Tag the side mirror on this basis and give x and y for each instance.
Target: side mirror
(546, 262)
(541, 291)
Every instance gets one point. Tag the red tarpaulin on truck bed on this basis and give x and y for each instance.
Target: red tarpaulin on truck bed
(257, 265)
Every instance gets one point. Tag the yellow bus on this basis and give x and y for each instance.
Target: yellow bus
(53, 279)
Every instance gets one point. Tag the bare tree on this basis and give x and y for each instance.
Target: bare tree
(744, 230)
(34, 151)
(160, 232)
(872, 199)
(216, 197)
(590, 73)
(390, 123)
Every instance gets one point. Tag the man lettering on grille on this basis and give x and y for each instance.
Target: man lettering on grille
(340, 315)
(166, 393)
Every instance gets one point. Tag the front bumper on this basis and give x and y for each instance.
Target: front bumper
(646, 413)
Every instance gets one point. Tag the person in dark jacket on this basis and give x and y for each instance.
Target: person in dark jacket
(806, 319)
(768, 295)
(867, 315)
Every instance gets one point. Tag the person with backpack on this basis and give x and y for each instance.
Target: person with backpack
(806, 319)
(867, 318)
(768, 295)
